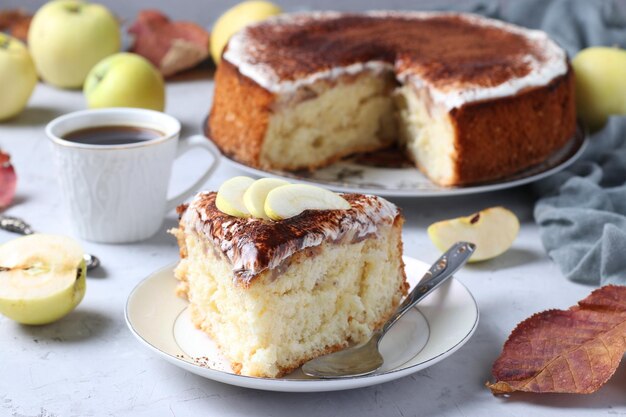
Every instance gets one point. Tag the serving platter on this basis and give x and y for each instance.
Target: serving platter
(435, 329)
(379, 176)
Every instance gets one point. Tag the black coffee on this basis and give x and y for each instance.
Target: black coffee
(112, 135)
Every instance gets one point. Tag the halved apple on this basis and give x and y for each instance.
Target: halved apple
(42, 278)
(255, 196)
(492, 230)
(290, 200)
(229, 198)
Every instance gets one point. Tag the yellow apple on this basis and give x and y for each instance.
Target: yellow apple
(17, 76)
(229, 199)
(256, 194)
(600, 84)
(125, 80)
(290, 200)
(42, 278)
(235, 19)
(68, 37)
(492, 230)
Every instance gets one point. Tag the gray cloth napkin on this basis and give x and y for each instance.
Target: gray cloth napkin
(581, 212)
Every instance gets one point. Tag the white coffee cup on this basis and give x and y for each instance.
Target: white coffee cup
(118, 193)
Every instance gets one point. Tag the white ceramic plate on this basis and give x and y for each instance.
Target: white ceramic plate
(352, 176)
(440, 325)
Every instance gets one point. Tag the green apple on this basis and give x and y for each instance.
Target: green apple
(256, 194)
(125, 80)
(17, 76)
(600, 84)
(492, 230)
(290, 200)
(42, 278)
(229, 199)
(68, 37)
(235, 19)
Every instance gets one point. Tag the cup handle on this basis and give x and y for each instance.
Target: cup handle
(184, 146)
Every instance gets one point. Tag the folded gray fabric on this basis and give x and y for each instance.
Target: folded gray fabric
(581, 212)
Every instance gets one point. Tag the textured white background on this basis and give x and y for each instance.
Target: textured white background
(89, 364)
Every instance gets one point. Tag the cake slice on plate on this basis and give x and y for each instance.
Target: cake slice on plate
(274, 294)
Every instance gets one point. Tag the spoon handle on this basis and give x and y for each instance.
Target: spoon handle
(450, 262)
(15, 225)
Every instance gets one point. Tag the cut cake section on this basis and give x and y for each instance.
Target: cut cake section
(274, 295)
(469, 99)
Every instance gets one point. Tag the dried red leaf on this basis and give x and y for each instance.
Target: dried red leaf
(8, 180)
(171, 46)
(565, 351)
(15, 22)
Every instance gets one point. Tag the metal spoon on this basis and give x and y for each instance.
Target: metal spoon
(365, 358)
(16, 225)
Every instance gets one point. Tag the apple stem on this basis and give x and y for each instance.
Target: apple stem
(73, 8)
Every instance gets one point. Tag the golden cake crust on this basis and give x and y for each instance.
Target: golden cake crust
(240, 114)
(493, 141)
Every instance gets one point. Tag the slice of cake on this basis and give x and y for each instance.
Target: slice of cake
(274, 294)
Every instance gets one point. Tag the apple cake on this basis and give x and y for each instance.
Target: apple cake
(275, 294)
(469, 99)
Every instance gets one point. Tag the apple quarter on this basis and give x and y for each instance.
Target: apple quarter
(275, 294)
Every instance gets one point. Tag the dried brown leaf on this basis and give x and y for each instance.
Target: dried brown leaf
(565, 351)
(171, 46)
(15, 22)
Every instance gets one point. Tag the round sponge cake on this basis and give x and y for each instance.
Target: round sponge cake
(469, 99)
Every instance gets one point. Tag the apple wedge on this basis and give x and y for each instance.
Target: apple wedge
(229, 198)
(42, 278)
(290, 200)
(255, 196)
(492, 230)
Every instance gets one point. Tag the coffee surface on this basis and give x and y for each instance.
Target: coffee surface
(112, 135)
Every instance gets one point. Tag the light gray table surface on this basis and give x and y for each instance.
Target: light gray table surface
(89, 364)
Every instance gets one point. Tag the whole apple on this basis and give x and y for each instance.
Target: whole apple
(235, 19)
(125, 80)
(600, 84)
(68, 37)
(17, 76)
